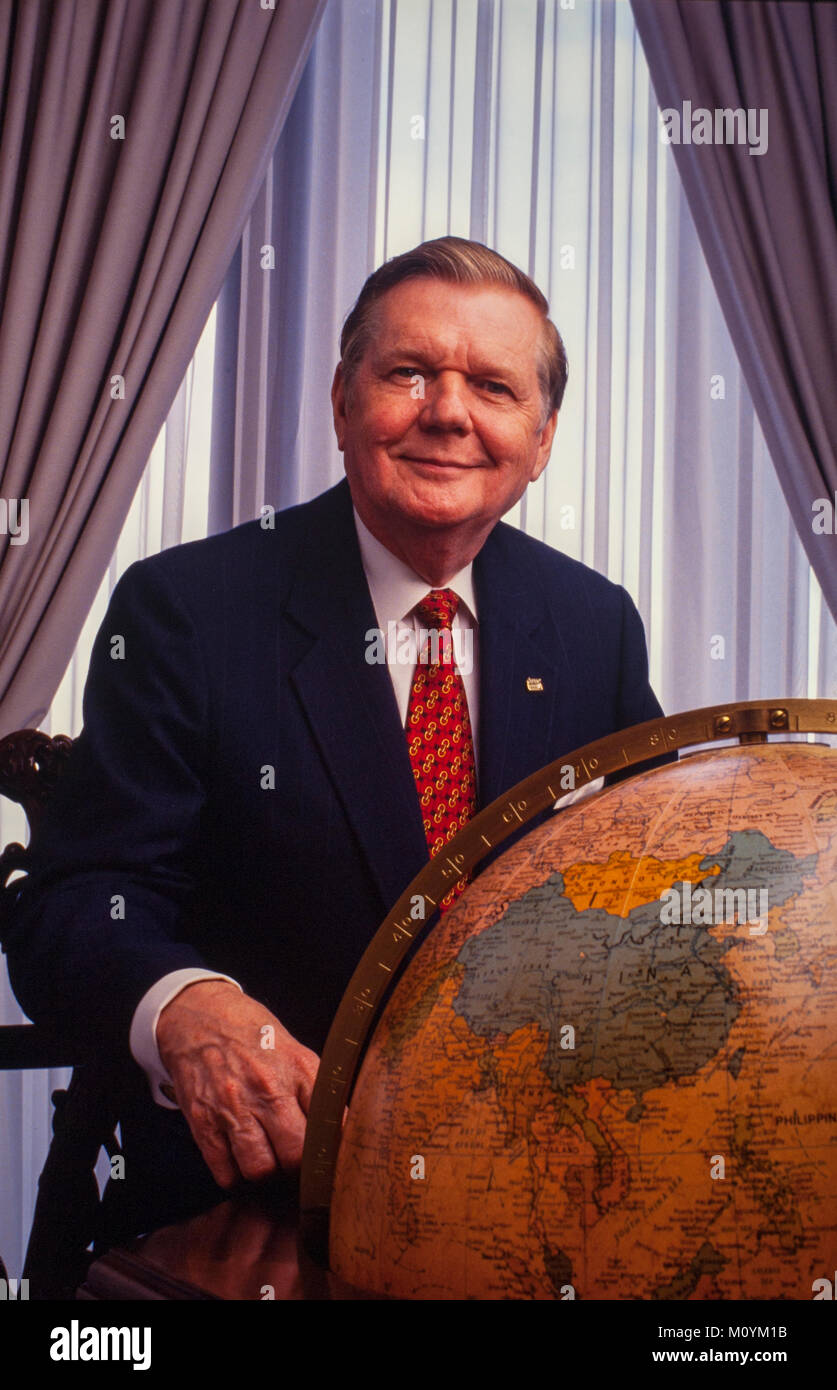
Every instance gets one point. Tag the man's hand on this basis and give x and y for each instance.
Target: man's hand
(245, 1103)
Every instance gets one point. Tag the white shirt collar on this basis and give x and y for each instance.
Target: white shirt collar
(396, 589)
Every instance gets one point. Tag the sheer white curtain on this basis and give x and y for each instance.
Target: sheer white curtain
(307, 248)
(170, 506)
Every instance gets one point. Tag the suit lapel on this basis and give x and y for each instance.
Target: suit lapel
(350, 704)
(526, 689)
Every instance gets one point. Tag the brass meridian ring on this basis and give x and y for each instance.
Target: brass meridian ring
(749, 721)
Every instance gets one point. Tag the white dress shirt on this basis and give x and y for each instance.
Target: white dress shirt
(395, 591)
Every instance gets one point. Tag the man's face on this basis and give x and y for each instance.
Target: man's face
(441, 425)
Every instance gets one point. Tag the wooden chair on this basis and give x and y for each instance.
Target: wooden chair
(84, 1120)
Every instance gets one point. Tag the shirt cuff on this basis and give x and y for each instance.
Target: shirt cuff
(142, 1039)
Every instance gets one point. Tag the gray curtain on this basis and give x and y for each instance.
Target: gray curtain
(135, 135)
(767, 221)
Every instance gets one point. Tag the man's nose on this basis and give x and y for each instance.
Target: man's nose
(446, 404)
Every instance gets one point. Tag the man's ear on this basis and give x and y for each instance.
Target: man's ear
(338, 406)
(545, 446)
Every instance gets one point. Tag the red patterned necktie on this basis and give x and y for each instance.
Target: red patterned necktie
(439, 731)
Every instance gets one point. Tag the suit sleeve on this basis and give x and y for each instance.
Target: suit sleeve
(636, 701)
(115, 859)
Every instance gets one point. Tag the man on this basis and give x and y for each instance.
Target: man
(242, 807)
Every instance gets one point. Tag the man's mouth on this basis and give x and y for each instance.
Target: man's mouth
(439, 462)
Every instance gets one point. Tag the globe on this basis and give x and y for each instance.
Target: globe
(609, 1071)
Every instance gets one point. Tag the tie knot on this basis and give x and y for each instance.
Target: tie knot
(438, 608)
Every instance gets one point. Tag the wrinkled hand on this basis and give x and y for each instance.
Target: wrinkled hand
(245, 1103)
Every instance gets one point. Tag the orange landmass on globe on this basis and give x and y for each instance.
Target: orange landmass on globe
(624, 880)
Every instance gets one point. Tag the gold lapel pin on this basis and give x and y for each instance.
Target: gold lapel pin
(534, 683)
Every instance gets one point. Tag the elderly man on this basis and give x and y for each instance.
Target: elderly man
(244, 803)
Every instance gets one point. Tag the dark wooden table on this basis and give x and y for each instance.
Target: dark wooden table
(244, 1249)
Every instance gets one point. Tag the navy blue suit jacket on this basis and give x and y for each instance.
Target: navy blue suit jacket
(247, 651)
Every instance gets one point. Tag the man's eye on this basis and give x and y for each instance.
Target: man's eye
(496, 388)
(406, 371)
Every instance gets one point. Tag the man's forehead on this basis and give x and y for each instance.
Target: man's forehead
(434, 317)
